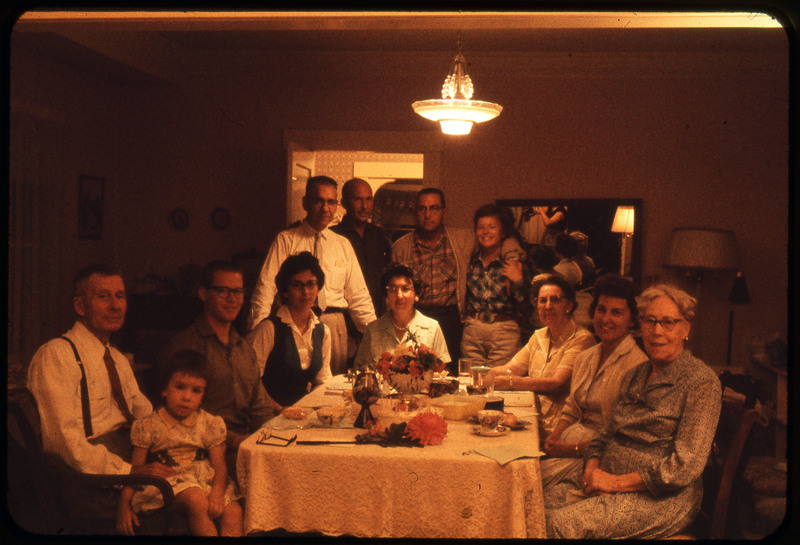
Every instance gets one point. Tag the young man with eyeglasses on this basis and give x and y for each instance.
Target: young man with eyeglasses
(234, 390)
(344, 290)
(439, 257)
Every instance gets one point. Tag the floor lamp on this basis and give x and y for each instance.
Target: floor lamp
(702, 252)
(623, 224)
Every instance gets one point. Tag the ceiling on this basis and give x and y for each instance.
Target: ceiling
(159, 44)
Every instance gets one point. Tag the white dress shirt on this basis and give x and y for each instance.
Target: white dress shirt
(344, 282)
(54, 379)
(262, 338)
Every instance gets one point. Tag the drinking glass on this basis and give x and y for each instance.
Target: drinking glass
(464, 373)
(487, 380)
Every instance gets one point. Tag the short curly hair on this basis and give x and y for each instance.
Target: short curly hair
(297, 263)
(687, 305)
(558, 281)
(614, 285)
(396, 270)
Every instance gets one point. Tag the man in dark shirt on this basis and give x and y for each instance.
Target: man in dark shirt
(370, 243)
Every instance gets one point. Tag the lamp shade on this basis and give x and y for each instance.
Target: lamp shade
(623, 220)
(696, 248)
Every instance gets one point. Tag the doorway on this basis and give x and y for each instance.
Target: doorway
(395, 164)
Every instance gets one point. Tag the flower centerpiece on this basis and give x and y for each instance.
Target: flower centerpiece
(426, 428)
(410, 368)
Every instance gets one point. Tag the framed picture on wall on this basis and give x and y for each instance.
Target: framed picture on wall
(91, 191)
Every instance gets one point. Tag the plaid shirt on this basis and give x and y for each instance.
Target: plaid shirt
(435, 269)
(487, 295)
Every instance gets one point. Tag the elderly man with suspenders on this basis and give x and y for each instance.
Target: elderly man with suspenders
(85, 390)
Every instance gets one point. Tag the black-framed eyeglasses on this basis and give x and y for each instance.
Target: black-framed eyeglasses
(394, 290)
(269, 438)
(434, 208)
(297, 285)
(667, 324)
(225, 292)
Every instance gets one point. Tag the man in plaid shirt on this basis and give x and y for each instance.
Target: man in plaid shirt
(439, 257)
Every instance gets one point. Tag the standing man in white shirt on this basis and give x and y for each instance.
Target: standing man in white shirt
(85, 389)
(344, 289)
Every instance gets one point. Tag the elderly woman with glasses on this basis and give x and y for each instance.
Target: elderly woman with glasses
(643, 476)
(596, 378)
(544, 365)
(292, 346)
(401, 323)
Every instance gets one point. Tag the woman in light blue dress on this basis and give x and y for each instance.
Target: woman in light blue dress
(643, 477)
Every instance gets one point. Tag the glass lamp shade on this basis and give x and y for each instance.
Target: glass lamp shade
(702, 249)
(456, 116)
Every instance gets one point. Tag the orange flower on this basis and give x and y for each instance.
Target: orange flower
(427, 428)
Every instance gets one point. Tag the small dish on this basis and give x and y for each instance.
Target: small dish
(499, 431)
(330, 416)
(520, 425)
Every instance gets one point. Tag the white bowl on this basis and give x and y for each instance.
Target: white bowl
(458, 407)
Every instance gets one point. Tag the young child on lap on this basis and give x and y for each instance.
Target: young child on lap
(183, 436)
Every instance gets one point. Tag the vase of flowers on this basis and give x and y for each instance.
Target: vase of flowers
(410, 368)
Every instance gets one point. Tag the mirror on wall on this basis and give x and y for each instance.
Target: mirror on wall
(614, 246)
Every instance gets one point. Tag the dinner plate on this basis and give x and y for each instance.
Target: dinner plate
(520, 425)
(497, 432)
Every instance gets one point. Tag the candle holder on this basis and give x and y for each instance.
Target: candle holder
(366, 391)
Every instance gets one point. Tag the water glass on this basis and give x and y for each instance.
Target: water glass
(464, 373)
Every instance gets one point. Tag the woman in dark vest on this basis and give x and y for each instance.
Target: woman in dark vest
(293, 347)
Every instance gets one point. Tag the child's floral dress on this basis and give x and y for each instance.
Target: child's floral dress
(182, 445)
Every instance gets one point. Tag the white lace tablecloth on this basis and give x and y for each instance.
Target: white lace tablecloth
(443, 491)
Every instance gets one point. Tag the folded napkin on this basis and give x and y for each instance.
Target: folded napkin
(516, 399)
(502, 454)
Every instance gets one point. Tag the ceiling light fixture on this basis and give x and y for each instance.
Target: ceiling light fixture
(455, 112)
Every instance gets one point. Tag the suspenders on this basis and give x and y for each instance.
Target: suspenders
(87, 415)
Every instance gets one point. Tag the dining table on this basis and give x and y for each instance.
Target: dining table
(299, 476)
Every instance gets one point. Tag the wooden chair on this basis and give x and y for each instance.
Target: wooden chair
(36, 480)
(726, 463)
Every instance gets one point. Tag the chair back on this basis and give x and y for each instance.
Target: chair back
(726, 463)
(25, 415)
(34, 489)
(47, 475)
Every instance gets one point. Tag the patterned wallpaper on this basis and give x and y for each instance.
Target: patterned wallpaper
(339, 164)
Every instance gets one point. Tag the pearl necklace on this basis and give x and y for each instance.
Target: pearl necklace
(397, 327)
